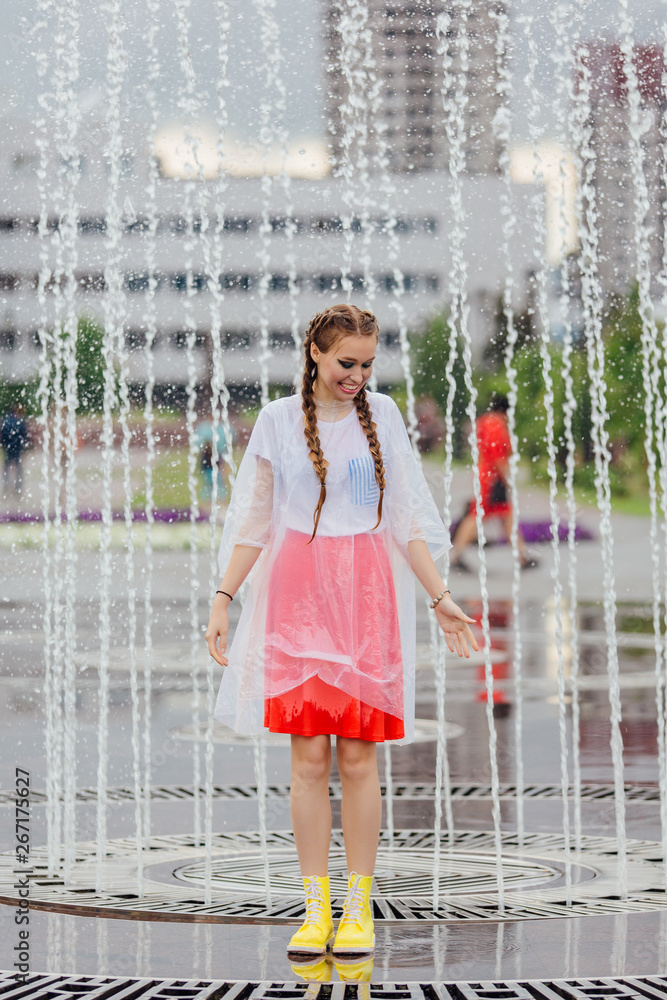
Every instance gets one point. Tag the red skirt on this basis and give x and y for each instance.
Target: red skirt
(490, 509)
(367, 632)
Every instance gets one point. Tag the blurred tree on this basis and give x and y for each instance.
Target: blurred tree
(90, 366)
(624, 375)
(493, 356)
(430, 354)
(22, 394)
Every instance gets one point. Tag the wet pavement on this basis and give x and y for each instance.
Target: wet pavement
(623, 943)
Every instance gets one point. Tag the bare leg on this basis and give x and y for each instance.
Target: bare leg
(309, 802)
(521, 543)
(362, 803)
(466, 533)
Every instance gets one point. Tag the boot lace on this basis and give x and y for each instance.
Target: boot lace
(314, 901)
(354, 904)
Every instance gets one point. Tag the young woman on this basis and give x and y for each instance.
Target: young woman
(332, 514)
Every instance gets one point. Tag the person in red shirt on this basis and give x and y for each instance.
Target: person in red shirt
(495, 448)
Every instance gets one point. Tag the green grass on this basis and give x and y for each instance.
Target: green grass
(170, 481)
(164, 537)
(634, 500)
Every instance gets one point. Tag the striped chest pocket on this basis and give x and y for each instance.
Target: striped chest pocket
(364, 489)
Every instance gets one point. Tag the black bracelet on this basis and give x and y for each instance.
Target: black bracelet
(225, 593)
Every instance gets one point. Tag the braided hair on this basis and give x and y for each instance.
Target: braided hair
(324, 330)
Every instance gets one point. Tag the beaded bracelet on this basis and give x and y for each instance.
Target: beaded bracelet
(225, 593)
(437, 599)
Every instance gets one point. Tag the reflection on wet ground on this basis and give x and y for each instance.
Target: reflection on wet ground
(594, 945)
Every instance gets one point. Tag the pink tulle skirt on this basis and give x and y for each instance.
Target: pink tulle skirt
(333, 662)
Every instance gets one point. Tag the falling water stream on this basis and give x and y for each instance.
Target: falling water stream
(219, 398)
(114, 306)
(43, 397)
(503, 131)
(454, 108)
(653, 406)
(567, 30)
(151, 325)
(661, 658)
(547, 377)
(592, 307)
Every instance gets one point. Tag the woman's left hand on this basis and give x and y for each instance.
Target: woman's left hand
(456, 626)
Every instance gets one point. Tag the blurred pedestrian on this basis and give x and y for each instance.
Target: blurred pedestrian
(204, 438)
(14, 439)
(430, 424)
(495, 448)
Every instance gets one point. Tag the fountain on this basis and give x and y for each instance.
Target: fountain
(462, 845)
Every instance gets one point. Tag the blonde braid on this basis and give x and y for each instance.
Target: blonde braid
(315, 452)
(370, 429)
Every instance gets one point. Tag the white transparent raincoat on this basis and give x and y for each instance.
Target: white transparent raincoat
(350, 565)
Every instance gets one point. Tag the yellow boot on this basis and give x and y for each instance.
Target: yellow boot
(359, 970)
(316, 932)
(355, 932)
(315, 970)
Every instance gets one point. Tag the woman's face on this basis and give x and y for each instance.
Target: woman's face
(343, 370)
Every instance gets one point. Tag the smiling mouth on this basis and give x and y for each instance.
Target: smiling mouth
(348, 387)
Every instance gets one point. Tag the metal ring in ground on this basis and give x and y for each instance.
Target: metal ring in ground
(535, 890)
(404, 790)
(64, 987)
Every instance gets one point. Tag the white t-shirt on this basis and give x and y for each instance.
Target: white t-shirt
(277, 489)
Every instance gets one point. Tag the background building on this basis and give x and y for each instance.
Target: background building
(411, 81)
(183, 297)
(610, 120)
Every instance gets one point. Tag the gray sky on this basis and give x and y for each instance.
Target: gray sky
(301, 43)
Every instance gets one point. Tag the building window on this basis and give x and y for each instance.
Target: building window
(179, 281)
(176, 224)
(93, 224)
(327, 282)
(53, 282)
(8, 282)
(237, 282)
(7, 340)
(179, 339)
(135, 340)
(93, 282)
(238, 225)
(280, 340)
(136, 281)
(138, 225)
(330, 225)
(233, 339)
(25, 163)
(279, 283)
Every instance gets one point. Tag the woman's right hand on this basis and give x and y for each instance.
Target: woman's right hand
(217, 629)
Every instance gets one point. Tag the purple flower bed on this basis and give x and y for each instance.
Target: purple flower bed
(533, 531)
(540, 531)
(164, 515)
